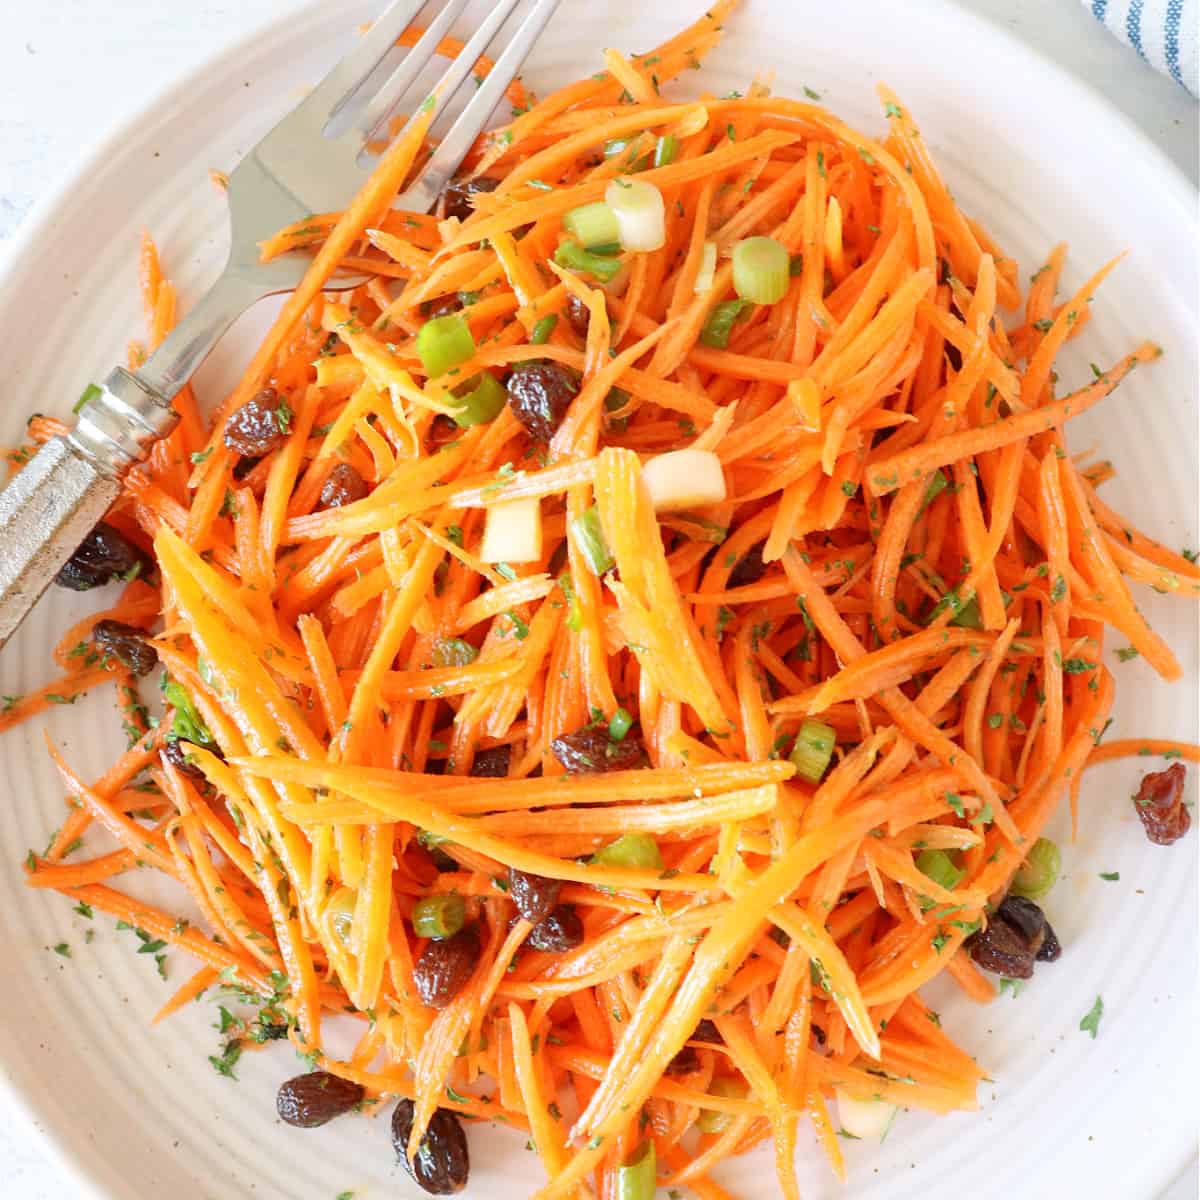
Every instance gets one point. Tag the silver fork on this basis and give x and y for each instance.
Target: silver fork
(295, 170)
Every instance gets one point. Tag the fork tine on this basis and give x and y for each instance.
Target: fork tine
(405, 75)
(426, 188)
(340, 84)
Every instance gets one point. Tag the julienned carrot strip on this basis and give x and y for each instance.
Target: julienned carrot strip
(887, 474)
(382, 663)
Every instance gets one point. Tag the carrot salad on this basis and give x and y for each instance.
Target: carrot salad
(624, 648)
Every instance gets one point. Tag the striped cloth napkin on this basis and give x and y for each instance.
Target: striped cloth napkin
(1163, 32)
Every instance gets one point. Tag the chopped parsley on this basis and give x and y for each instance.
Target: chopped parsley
(1091, 1020)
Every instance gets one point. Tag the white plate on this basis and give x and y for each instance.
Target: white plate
(137, 1112)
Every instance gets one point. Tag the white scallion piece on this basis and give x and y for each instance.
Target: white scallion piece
(640, 212)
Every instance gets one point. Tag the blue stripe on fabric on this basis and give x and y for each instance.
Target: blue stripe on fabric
(1133, 26)
(1171, 25)
(1099, 8)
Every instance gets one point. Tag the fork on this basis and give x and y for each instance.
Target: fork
(302, 166)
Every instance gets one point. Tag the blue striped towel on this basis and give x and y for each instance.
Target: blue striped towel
(1163, 32)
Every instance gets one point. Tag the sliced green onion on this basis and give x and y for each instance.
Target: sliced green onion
(720, 323)
(1039, 872)
(708, 268)
(630, 850)
(640, 211)
(443, 344)
(454, 652)
(592, 225)
(620, 725)
(541, 332)
(712, 1120)
(637, 1178)
(589, 538)
(813, 750)
(482, 403)
(439, 916)
(940, 867)
(665, 150)
(969, 616)
(760, 270)
(574, 257)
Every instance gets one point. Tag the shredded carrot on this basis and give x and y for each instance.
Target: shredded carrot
(512, 646)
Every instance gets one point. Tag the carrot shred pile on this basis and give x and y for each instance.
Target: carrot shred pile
(936, 577)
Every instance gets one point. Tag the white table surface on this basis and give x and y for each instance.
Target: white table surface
(70, 69)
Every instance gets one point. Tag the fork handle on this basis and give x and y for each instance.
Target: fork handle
(69, 484)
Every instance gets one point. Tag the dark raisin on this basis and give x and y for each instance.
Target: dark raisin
(177, 750)
(1159, 804)
(101, 556)
(1024, 916)
(126, 644)
(534, 895)
(539, 394)
(310, 1100)
(442, 1162)
(492, 764)
(750, 568)
(589, 751)
(561, 931)
(1017, 935)
(445, 966)
(456, 199)
(343, 485)
(257, 427)
(578, 314)
(1002, 949)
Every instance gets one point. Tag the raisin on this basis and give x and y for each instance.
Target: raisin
(1017, 936)
(442, 1163)
(456, 199)
(589, 751)
(534, 895)
(177, 750)
(539, 394)
(101, 556)
(257, 427)
(1002, 949)
(445, 966)
(1159, 804)
(561, 931)
(126, 644)
(310, 1100)
(577, 314)
(343, 485)
(750, 568)
(493, 763)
